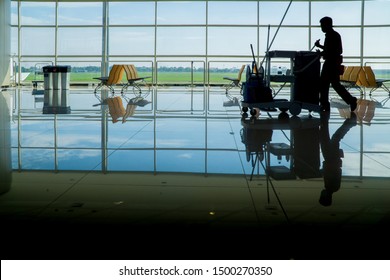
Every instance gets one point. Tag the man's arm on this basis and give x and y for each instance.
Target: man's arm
(318, 45)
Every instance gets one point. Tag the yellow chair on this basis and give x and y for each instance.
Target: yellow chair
(235, 82)
(345, 77)
(133, 79)
(353, 77)
(374, 83)
(114, 78)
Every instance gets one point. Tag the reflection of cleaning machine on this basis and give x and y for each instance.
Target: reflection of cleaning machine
(304, 80)
(301, 151)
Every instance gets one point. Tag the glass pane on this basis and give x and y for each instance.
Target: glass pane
(272, 13)
(181, 13)
(79, 13)
(82, 71)
(37, 13)
(350, 39)
(183, 72)
(377, 12)
(376, 41)
(131, 41)
(342, 12)
(181, 41)
(37, 41)
(288, 38)
(14, 13)
(132, 13)
(238, 12)
(231, 40)
(79, 41)
(14, 40)
(381, 68)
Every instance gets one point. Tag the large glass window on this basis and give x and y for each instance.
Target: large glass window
(191, 30)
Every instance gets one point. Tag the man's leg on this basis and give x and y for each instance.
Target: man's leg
(324, 91)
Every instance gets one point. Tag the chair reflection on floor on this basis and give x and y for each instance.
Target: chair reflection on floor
(132, 104)
(365, 111)
(115, 108)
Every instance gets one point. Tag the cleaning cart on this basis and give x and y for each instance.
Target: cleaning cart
(304, 80)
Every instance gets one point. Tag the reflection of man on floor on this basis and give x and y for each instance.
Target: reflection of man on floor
(332, 165)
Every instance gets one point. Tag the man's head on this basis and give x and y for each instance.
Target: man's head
(326, 24)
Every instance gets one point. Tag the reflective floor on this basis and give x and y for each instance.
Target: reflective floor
(185, 172)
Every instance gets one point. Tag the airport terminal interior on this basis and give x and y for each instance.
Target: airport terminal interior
(160, 167)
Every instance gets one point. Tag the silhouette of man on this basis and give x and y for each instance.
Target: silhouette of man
(332, 54)
(332, 164)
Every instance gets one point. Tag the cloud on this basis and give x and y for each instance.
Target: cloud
(185, 156)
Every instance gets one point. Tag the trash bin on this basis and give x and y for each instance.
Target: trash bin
(56, 77)
(65, 76)
(47, 77)
(56, 84)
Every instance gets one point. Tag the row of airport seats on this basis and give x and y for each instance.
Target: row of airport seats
(362, 78)
(115, 77)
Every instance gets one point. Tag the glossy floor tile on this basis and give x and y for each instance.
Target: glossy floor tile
(188, 164)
